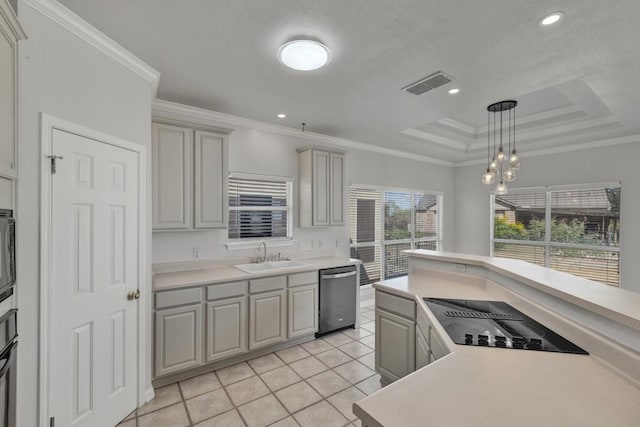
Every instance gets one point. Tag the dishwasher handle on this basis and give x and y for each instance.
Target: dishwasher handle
(339, 275)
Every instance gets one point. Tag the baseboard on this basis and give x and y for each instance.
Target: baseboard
(149, 394)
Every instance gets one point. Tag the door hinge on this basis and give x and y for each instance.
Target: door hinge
(53, 159)
(52, 422)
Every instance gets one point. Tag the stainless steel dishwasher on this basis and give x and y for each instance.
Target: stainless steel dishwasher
(338, 289)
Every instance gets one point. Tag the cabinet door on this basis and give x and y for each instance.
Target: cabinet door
(8, 48)
(172, 177)
(267, 319)
(178, 339)
(422, 350)
(210, 184)
(226, 328)
(395, 345)
(337, 189)
(321, 188)
(303, 310)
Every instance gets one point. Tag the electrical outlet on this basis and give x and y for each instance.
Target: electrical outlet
(196, 253)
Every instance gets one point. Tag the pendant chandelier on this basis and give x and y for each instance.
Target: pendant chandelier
(501, 134)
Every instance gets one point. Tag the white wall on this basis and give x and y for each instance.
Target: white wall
(616, 163)
(60, 75)
(261, 152)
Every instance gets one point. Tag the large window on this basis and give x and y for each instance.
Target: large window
(575, 229)
(386, 223)
(259, 208)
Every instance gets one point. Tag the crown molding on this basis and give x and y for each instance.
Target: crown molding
(565, 149)
(166, 110)
(9, 15)
(64, 17)
(449, 143)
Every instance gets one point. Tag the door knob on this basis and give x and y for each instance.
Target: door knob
(133, 295)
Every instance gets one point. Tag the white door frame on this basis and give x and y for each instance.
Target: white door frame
(48, 124)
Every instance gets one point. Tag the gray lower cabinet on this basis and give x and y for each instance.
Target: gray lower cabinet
(178, 338)
(395, 345)
(267, 318)
(303, 310)
(226, 328)
(423, 351)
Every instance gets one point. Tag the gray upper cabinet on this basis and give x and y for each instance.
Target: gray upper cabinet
(190, 170)
(321, 188)
(211, 172)
(10, 33)
(172, 177)
(178, 343)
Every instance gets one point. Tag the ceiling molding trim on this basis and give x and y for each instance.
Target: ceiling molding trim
(565, 149)
(6, 11)
(64, 17)
(455, 124)
(174, 111)
(553, 131)
(440, 140)
(540, 117)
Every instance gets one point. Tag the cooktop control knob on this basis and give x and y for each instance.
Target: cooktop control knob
(535, 344)
(483, 339)
(468, 339)
(518, 342)
(501, 341)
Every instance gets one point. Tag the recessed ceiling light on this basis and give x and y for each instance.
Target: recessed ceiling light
(282, 116)
(454, 91)
(304, 55)
(551, 18)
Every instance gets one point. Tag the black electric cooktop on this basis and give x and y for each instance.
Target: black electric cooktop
(496, 324)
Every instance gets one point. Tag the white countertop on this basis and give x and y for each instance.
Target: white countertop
(620, 305)
(180, 275)
(496, 387)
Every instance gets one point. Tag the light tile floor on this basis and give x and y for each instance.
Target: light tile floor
(312, 384)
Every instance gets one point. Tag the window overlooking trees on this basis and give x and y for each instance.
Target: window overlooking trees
(386, 223)
(571, 229)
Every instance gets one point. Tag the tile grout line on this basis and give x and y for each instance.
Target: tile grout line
(184, 403)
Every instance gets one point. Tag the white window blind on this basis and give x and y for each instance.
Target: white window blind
(575, 230)
(386, 223)
(259, 208)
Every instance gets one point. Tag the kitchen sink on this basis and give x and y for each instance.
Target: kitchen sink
(270, 266)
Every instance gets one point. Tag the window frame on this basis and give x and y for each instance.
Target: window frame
(288, 208)
(548, 243)
(382, 242)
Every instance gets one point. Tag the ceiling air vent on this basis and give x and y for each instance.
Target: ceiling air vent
(430, 82)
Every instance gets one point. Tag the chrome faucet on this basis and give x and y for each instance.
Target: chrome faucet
(264, 258)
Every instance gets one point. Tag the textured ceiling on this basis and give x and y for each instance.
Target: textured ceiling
(220, 55)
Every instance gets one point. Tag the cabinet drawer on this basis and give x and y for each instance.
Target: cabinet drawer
(226, 290)
(179, 297)
(299, 279)
(267, 284)
(402, 306)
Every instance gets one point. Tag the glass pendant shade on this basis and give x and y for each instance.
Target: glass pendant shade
(501, 188)
(500, 155)
(494, 166)
(514, 160)
(509, 175)
(488, 177)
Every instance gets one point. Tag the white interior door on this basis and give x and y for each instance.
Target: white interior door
(94, 264)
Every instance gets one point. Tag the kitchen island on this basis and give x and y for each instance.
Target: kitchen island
(470, 385)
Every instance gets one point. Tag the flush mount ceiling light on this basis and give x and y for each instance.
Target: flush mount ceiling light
(304, 55)
(551, 18)
(282, 115)
(504, 166)
(454, 91)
